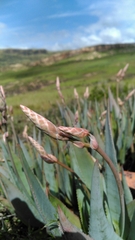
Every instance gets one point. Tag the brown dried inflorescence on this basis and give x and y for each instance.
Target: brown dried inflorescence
(44, 124)
(130, 94)
(49, 158)
(86, 94)
(76, 95)
(60, 133)
(74, 131)
(93, 142)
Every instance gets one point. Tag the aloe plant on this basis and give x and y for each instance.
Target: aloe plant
(66, 177)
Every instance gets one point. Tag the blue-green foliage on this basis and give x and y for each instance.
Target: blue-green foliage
(88, 194)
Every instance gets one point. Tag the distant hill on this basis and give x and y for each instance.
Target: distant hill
(22, 56)
(24, 51)
(33, 57)
(29, 76)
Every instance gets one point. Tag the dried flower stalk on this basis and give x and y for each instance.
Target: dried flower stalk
(49, 158)
(130, 94)
(86, 94)
(44, 124)
(58, 89)
(76, 95)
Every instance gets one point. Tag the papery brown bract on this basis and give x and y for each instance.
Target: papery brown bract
(42, 123)
(130, 94)
(93, 142)
(74, 131)
(2, 100)
(49, 158)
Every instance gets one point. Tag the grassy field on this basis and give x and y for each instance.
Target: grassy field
(34, 86)
(27, 81)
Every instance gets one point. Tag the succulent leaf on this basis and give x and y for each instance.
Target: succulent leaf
(74, 219)
(131, 235)
(44, 206)
(70, 231)
(114, 105)
(23, 207)
(82, 163)
(100, 228)
(111, 186)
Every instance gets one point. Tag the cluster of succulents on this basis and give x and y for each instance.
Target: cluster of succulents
(69, 177)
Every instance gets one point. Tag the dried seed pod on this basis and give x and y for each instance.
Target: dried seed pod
(120, 102)
(49, 158)
(58, 89)
(2, 100)
(58, 83)
(102, 114)
(86, 94)
(42, 123)
(130, 94)
(5, 136)
(74, 131)
(125, 68)
(25, 135)
(76, 94)
(76, 117)
(119, 73)
(93, 142)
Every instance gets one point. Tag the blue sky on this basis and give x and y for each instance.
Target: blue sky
(65, 24)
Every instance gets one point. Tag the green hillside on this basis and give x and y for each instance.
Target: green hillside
(29, 77)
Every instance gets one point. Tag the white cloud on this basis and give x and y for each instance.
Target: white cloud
(115, 23)
(110, 35)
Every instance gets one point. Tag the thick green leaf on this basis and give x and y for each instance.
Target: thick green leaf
(131, 235)
(33, 160)
(85, 115)
(15, 170)
(27, 154)
(127, 224)
(100, 228)
(14, 176)
(83, 200)
(95, 154)
(114, 105)
(21, 173)
(62, 114)
(98, 123)
(111, 185)
(7, 164)
(38, 161)
(5, 172)
(69, 214)
(131, 209)
(109, 144)
(69, 230)
(81, 163)
(69, 116)
(64, 180)
(44, 206)
(26, 211)
(49, 169)
(125, 137)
